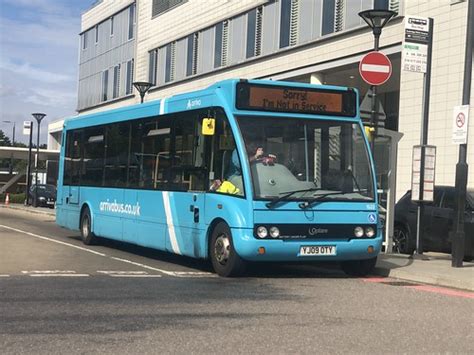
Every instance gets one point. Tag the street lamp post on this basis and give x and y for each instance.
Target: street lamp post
(142, 87)
(13, 144)
(376, 19)
(38, 117)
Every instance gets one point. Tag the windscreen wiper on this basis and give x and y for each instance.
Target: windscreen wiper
(307, 204)
(288, 194)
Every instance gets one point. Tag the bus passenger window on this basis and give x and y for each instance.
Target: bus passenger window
(225, 172)
(116, 154)
(93, 157)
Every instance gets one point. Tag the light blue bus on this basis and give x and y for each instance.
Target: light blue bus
(243, 171)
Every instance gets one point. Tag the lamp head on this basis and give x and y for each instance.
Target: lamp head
(142, 86)
(38, 116)
(377, 19)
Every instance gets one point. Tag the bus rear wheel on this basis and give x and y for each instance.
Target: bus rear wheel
(225, 260)
(87, 236)
(359, 267)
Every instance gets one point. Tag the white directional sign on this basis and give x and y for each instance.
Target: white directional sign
(415, 44)
(26, 128)
(460, 123)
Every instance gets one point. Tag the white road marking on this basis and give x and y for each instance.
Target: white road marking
(52, 240)
(67, 272)
(171, 273)
(122, 272)
(147, 275)
(376, 68)
(59, 275)
(53, 273)
(49, 272)
(4, 275)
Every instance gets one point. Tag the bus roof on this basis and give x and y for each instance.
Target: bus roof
(185, 101)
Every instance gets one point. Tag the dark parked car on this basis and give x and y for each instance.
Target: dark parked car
(46, 195)
(438, 218)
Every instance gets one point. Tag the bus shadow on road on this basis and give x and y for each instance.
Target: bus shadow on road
(318, 270)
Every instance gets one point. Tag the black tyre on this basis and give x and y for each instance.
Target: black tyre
(359, 267)
(87, 236)
(402, 242)
(225, 260)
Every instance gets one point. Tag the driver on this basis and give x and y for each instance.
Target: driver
(255, 152)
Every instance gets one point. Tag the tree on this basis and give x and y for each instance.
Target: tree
(4, 140)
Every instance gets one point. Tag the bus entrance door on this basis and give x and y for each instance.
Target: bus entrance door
(185, 233)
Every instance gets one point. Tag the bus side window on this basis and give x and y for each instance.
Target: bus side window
(67, 176)
(225, 175)
(72, 159)
(189, 170)
(93, 156)
(116, 154)
(150, 153)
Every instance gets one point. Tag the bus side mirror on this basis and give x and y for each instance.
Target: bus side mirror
(208, 126)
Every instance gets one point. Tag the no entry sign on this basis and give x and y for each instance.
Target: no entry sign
(375, 68)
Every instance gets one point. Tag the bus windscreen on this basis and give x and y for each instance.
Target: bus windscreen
(298, 100)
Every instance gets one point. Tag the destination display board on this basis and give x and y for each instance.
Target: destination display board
(298, 100)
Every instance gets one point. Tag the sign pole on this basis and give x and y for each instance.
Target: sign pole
(28, 168)
(458, 234)
(424, 141)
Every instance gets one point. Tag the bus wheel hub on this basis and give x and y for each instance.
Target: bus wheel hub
(222, 249)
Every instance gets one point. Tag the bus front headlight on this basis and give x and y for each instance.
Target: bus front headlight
(359, 232)
(369, 232)
(274, 232)
(262, 232)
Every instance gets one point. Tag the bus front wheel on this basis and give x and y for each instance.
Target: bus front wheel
(87, 236)
(225, 260)
(359, 267)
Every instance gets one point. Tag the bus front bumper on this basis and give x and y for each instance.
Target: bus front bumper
(252, 249)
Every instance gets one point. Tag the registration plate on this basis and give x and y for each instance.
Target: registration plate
(318, 250)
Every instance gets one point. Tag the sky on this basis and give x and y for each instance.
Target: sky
(39, 44)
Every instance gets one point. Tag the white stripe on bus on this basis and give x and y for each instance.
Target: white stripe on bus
(162, 105)
(169, 222)
(376, 68)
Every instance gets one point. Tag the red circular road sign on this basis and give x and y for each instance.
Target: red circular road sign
(460, 119)
(375, 68)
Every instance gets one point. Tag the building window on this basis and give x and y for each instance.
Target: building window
(96, 34)
(218, 46)
(111, 26)
(285, 19)
(339, 15)
(328, 17)
(129, 82)
(169, 61)
(131, 21)
(152, 67)
(105, 84)
(191, 54)
(84, 40)
(381, 4)
(116, 89)
(161, 6)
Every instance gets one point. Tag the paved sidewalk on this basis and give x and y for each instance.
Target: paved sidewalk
(30, 209)
(435, 271)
